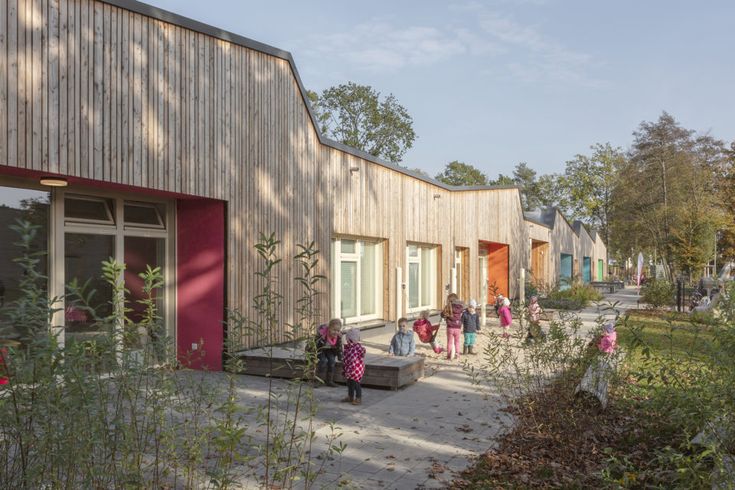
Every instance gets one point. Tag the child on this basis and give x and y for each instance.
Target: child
(470, 327)
(402, 343)
(534, 320)
(328, 349)
(427, 332)
(505, 317)
(609, 339)
(353, 367)
(452, 314)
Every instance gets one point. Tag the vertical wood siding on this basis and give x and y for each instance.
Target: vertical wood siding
(94, 91)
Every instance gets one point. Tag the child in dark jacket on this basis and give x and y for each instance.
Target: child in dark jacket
(452, 314)
(470, 327)
(329, 350)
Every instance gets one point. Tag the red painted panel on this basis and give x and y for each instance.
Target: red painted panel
(200, 270)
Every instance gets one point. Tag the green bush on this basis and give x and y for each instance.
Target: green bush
(658, 293)
(575, 297)
(114, 412)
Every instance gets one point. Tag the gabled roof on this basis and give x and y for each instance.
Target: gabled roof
(194, 25)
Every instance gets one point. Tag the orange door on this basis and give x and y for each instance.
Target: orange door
(498, 255)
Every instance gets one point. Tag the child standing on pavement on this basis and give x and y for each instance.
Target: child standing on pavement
(506, 318)
(452, 314)
(534, 320)
(353, 367)
(470, 327)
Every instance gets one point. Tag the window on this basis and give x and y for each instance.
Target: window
(31, 207)
(357, 286)
(144, 215)
(421, 277)
(88, 209)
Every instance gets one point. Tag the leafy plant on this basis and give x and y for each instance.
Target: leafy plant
(658, 293)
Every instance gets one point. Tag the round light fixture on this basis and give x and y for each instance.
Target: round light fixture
(54, 181)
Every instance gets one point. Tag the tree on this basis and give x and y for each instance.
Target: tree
(589, 182)
(536, 192)
(460, 173)
(502, 180)
(357, 116)
(665, 197)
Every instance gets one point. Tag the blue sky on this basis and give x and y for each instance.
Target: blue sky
(498, 82)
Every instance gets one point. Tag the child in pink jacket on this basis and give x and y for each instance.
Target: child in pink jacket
(609, 339)
(506, 318)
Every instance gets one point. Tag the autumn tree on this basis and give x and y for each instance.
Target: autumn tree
(460, 173)
(357, 116)
(665, 201)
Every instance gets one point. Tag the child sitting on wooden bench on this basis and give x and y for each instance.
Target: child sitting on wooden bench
(402, 343)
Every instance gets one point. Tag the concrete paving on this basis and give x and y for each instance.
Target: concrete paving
(418, 437)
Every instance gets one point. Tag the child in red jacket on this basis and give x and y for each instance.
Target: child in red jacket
(427, 332)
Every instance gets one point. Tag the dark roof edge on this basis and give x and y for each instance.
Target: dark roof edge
(194, 25)
(537, 222)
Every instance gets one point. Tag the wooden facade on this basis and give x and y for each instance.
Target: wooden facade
(117, 93)
(550, 232)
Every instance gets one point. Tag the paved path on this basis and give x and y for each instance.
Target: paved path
(416, 437)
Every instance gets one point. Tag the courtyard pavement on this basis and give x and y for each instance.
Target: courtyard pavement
(417, 437)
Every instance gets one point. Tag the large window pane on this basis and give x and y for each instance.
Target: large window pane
(426, 265)
(413, 285)
(367, 279)
(84, 254)
(20, 205)
(348, 280)
(141, 252)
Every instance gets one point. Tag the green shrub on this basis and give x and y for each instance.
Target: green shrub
(658, 293)
(575, 297)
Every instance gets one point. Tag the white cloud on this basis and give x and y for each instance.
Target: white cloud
(500, 43)
(379, 45)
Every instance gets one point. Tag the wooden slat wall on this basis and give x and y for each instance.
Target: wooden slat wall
(94, 91)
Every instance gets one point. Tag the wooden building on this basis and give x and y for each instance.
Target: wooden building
(175, 144)
(561, 252)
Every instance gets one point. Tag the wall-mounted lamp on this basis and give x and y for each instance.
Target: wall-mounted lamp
(354, 169)
(54, 181)
(437, 196)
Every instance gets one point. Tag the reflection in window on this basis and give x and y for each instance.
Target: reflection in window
(357, 286)
(144, 214)
(29, 206)
(87, 209)
(90, 295)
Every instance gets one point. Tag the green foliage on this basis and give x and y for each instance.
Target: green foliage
(357, 116)
(460, 173)
(589, 182)
(675, 218)
(681, 377)
(113, 411)
(658, 293)
(575, 297)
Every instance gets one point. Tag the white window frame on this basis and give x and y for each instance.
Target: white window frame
(119, 229)
(431, 280)
(338, 258)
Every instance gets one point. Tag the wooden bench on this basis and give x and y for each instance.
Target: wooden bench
(380, 370)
